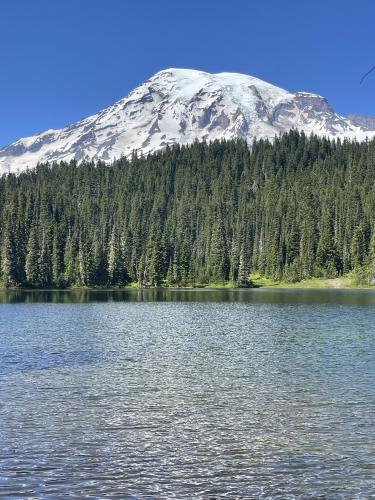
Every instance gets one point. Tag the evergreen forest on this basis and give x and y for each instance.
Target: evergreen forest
(290, 209)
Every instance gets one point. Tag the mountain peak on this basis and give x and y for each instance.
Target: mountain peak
(178, 105)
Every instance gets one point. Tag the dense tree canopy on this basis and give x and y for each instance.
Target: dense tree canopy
(294, 208)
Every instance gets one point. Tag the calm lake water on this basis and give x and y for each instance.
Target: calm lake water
(178, 394)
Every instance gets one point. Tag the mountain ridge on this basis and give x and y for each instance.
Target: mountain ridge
(178, 106)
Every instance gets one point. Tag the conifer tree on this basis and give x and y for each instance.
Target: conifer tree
(218, 258)
(243, 269)
(70, 265)
(8, 259)
(113, 259)
(57, 268)
(44, 262)
(32, 258)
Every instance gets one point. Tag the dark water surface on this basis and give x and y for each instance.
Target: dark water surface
(179, 394)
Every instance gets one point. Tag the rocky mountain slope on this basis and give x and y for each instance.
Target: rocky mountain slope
(180, 106)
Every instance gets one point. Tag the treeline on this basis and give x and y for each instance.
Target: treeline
(295, 208)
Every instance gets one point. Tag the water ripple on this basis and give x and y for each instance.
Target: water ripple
(205, 399)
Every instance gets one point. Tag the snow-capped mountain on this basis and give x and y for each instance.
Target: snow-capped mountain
(179, 106)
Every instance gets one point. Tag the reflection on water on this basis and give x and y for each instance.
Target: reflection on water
(180, 394)
(270, 296)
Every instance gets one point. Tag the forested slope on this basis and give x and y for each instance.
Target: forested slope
(295, 208)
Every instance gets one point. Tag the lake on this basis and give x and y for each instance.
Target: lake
(178, 394)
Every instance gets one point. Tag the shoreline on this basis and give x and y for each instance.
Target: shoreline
(342, 283)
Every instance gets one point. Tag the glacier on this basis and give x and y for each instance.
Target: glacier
(179, 106)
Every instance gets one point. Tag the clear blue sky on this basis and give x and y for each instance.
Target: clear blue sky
(62, 60)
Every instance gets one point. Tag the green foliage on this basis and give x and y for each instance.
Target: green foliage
(32, 257)
(288, 211)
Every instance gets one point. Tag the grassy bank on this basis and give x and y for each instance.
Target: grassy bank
(342, 282)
